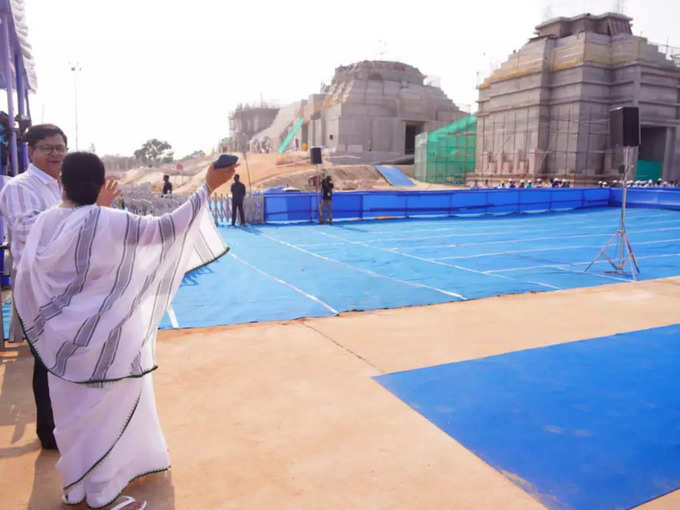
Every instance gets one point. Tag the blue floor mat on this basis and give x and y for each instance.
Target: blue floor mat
(589, 425)
(278, 272)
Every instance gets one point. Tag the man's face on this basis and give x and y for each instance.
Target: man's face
(48, 154)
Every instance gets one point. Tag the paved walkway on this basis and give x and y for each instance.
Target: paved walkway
(287, 415)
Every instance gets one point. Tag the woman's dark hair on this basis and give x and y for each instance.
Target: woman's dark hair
(82, 175)
(42, 131)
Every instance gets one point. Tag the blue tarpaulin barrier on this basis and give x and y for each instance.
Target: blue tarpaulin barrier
(663, 198)
(284, 207)
(394, 176)
(6, 313)
(590, 424)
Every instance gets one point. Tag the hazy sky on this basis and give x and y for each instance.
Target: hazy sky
(173, 70)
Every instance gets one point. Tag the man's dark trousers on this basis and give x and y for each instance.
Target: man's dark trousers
(43, 404)
(234, 207)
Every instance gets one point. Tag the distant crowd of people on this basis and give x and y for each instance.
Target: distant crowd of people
(649, 183)
(511, 184)
(563, 183)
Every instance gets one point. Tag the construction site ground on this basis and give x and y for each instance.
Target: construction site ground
(288, 415)
(262, 171)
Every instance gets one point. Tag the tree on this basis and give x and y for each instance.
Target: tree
(153, 151)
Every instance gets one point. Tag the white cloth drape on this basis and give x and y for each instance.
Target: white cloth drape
(91, 288)
(106, 436)
(93, 284)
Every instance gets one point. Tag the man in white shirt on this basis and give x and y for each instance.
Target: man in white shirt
(22, 199)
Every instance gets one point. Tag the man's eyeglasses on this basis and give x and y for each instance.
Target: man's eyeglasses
(57, 149)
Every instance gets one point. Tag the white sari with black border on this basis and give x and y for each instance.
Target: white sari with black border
(91, 289)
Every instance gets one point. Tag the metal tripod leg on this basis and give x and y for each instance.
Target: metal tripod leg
(620, 266)
(603, 252)
(631, 255)
(624, 250)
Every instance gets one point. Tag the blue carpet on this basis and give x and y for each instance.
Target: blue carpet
(280, 272)
(589, 425)
(394, 176)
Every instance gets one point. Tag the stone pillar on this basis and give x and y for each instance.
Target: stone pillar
(486, 159)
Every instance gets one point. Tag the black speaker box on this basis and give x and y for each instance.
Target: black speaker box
(624, 126)
(315, 155)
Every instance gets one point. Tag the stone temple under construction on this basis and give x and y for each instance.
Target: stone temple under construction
(370, 112)
(544, 112)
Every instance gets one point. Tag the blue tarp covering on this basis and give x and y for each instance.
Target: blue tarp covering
(394, 176)
(584, 425)
(283, 207)
(289, 271)
(665, 198)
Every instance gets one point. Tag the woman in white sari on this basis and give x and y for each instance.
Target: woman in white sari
(91, 289)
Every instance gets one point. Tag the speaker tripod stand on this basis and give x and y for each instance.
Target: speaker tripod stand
(624, 252)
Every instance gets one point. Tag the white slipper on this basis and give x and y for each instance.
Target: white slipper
(130, 503)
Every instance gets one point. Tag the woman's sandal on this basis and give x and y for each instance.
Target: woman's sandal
(130, 503)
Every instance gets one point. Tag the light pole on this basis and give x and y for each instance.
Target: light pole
(76, 68)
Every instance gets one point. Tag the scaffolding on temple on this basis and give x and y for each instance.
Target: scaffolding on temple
(447, 154)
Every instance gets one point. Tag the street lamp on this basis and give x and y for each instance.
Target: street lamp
(76, 68)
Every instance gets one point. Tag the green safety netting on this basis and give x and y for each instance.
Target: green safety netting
(447, 154)
(648, 170)
(289, 138)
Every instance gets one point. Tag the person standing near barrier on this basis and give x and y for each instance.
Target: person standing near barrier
(326, 205)
(23, 198)
(167, 186)
(238, 194)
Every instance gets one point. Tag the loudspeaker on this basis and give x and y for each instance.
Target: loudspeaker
(315, 155)
(624, 126)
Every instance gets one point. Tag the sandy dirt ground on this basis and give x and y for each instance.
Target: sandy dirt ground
(264, 171)
(286, 415)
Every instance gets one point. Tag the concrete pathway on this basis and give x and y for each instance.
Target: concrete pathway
(287, 415)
